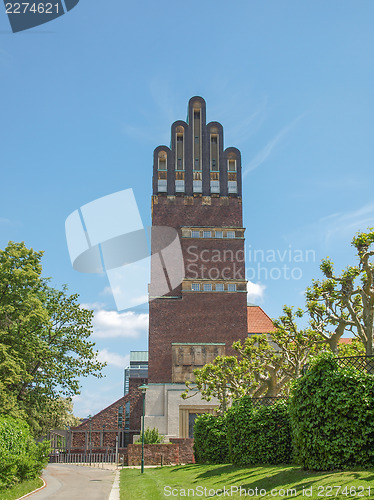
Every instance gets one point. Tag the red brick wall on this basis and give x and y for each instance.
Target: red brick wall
(186, 455)
(109, 418)
(198, 317)
(153, 453)
(196, 211)
(178, 451)
(209, 317)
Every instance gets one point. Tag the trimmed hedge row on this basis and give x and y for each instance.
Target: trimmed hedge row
(332, 416)
(210, 443)
(20, 457)
(244, 436)
(327, 424)
(264, 436)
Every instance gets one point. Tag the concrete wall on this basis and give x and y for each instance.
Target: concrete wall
(162, 407)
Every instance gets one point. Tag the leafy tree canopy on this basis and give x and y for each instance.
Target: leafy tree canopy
(44, 339)
(264, 366)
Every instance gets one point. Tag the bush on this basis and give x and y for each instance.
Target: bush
(210, 442)
(151, 436)
(259, 436)
(332, 416)
(20, 457)
(238, 419)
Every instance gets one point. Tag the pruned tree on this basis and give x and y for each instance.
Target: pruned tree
(264, 366)
(345, 303)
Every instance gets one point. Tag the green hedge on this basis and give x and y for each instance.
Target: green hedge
(332, 416)
(20, 457)
(259, 436)
(210, 443)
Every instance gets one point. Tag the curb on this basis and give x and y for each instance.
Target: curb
(32, 492)
(114, 494)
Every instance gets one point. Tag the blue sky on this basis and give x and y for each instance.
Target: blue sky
(86, 98)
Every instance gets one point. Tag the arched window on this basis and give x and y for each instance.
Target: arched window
(162, 172)
(196, 136)
(232, 173)
(179, 160)
(214, 161)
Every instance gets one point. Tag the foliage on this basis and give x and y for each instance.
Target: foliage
(210, 440)
(354, 348)
(265, 365)
(238, 418)
(44, 340)
(20, 457)
(332, 416)
(226, 378)
(259, 436)
(151, 436)
(344, 303)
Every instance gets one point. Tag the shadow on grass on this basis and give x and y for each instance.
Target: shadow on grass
(279, 477)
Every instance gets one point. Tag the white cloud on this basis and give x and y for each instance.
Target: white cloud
(255, 292)
(333, 228)
(113, 359)
(349, 222)
(112, 324)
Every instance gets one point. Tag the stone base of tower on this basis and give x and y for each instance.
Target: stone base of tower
(172, 415)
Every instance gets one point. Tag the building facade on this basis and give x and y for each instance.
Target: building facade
(197, 191)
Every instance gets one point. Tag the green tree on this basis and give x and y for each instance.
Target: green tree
(264, 366)
(354, 348)
(44, 338)
(345, 302)
(151, 436)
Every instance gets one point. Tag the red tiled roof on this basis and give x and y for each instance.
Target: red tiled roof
(345, 341)
(258, 320)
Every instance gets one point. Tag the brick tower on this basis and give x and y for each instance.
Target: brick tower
(197, 189)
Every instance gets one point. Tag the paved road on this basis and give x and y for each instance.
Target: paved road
(74, 482)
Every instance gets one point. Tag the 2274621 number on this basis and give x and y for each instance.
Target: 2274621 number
(34, 8)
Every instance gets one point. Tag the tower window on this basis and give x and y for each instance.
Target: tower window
(208, 287)
(231, 287)
(230, 234)
(162, 161)
(231, 166)
(197, 186)
(180, 148)
(162, 185)
(207, 234)
(214, 186)
(195, 234)
(214, 139)
(219, 234)
(220, 287)
(179, 186)
(196, 114)
(195, 287)
(233, 186)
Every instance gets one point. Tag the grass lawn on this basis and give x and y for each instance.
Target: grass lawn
(174, 482)
(20, 489)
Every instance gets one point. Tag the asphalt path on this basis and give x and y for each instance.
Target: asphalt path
(74, 482)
